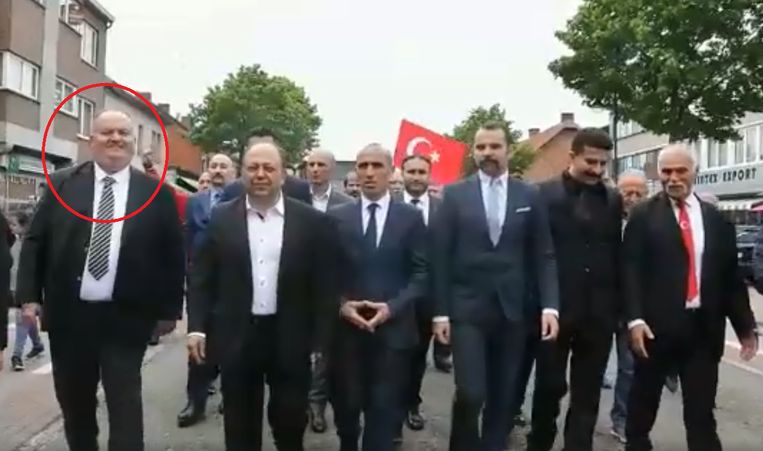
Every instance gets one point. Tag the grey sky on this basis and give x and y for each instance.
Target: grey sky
(366, 64)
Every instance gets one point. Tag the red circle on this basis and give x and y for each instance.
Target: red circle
(166, 153)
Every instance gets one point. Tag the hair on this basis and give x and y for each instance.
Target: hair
(677, 148)
(376, 147)
(591, 137)
(495, 126)
(346, 176)
(323, 153)
(633, 173)
(423, 158)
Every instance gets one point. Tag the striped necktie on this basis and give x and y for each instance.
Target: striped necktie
(100, 240)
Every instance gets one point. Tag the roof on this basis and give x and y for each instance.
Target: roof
(539, 140)
(98, 8)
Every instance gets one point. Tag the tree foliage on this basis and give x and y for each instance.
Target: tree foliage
(251, 99)
(479, 116)
(683, 68)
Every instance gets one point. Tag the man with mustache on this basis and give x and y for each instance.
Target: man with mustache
(586, 226)
(681, 284)
(351, 185)
(490, 245)
(103, 286)
(198, 211)
(204, 181)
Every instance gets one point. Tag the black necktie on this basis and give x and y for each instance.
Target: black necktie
(100, 240)
(371, 234)
(415, 202)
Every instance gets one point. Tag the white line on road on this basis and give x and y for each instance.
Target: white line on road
(743, 367)
(737, 346)
(45, 369)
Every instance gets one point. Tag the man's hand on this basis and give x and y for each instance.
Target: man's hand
(349, 311)
(749, 347)
(197, 348)
(29, 312)
(165, 327)
(640, 333)
(549, 327)
(441, 331)
(381, 315)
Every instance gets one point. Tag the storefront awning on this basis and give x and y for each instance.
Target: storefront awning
(737, 204)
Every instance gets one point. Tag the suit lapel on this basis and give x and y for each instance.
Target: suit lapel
(289, 240)
(388, 231)
(138, 192)
(708, 254)
(478, 206)
(239, 230)
(82, 189)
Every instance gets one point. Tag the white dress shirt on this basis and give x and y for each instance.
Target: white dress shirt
(103, 289)
(321, 201)
(381, 214)
(265, 230)
(698, 237)
(423, 204)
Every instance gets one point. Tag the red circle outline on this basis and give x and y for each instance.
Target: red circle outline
(166, 153)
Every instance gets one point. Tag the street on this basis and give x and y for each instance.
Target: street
(30, 419)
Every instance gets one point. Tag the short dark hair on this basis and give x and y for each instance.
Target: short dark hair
(591, 137)
(22, 218)
(262, 132)
(423, 158)
(495, 126)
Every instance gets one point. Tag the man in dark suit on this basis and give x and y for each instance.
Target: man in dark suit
(384, 254)
(491, 241)
(416, 171)
(263, 281)
(586, 225)
(6, 261)
(101, 295)
(681, 283)
(198, 211)
(320, 165)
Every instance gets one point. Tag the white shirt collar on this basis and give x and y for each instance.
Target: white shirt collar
(424, 198)
(691, 201)
(120, 177)
(277, 209)
(486, 179)
(383, 203)
(323, 196)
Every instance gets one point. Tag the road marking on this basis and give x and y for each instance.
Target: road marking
(737, 346)
(45, 369)
(743, 367)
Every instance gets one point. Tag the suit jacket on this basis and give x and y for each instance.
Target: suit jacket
(150, 273)
(293, 187)
(586, 252)
(5, 270)
(337, 198)
(655, 266)
(395, 273)
(469, 272)
(198, 210)
(221, 291)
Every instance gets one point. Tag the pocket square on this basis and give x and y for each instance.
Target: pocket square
(522, 210)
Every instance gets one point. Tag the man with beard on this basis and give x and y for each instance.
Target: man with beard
(491, 243)
(351, 185)
(263, 280)
(416, 172)
(320, 166)
(198, 211)
(681, 284)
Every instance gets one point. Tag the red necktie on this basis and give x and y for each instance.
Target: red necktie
(685, 225)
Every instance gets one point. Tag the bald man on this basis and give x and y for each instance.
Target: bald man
(263, 281)
(103, 286)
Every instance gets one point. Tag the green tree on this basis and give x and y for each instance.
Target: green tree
(683, 68)
(251, 99)
(522, 156)
(479, 116)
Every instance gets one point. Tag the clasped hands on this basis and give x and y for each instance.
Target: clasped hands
(365, 314)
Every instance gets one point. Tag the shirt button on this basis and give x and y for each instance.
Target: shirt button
(260, 262)
(587, 269)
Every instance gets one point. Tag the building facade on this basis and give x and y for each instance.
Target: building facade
(731, 170)
(48, 49)
(552, 149)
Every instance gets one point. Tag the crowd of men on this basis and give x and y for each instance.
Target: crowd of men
(332, 298)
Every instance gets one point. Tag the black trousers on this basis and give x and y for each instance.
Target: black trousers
(101, 347)
(419, 361)
(200, 377)
(589, 342)
(532, 339)
(368, 378)
(688, 351)
(243, 383)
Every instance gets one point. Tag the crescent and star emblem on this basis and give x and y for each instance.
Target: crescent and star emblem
(434, 154)
(684, 225)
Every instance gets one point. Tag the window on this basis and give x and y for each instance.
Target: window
(156, 140)
(738, 151)
(19, 75)
(86, 109)
(89, 43)
(751, 144)
(712, 154)
(139, 144)
(723, 153)
(760, 141)
(63, 90)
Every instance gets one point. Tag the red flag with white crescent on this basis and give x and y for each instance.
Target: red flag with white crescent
(447, 155)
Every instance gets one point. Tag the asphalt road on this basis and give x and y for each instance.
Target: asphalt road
(29, 418)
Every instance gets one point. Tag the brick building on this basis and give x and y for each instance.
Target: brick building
(552, 147)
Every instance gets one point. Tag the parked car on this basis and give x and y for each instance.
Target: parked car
(745, 248)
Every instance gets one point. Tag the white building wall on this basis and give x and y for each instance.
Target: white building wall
(146, 127)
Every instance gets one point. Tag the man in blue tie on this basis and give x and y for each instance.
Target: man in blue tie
(491, 247)
(383, 244)
(198, 211)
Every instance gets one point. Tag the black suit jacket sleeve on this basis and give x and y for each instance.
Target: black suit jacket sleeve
(633, 256)
(5, 293)
(757, 264)
(738, 307)
(542, 253)
(204, 278)
(418, 280)
(442, 236)
(325, 281)
(173, 255)
(31, 267)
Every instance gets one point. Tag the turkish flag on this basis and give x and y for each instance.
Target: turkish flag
(447, 155)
